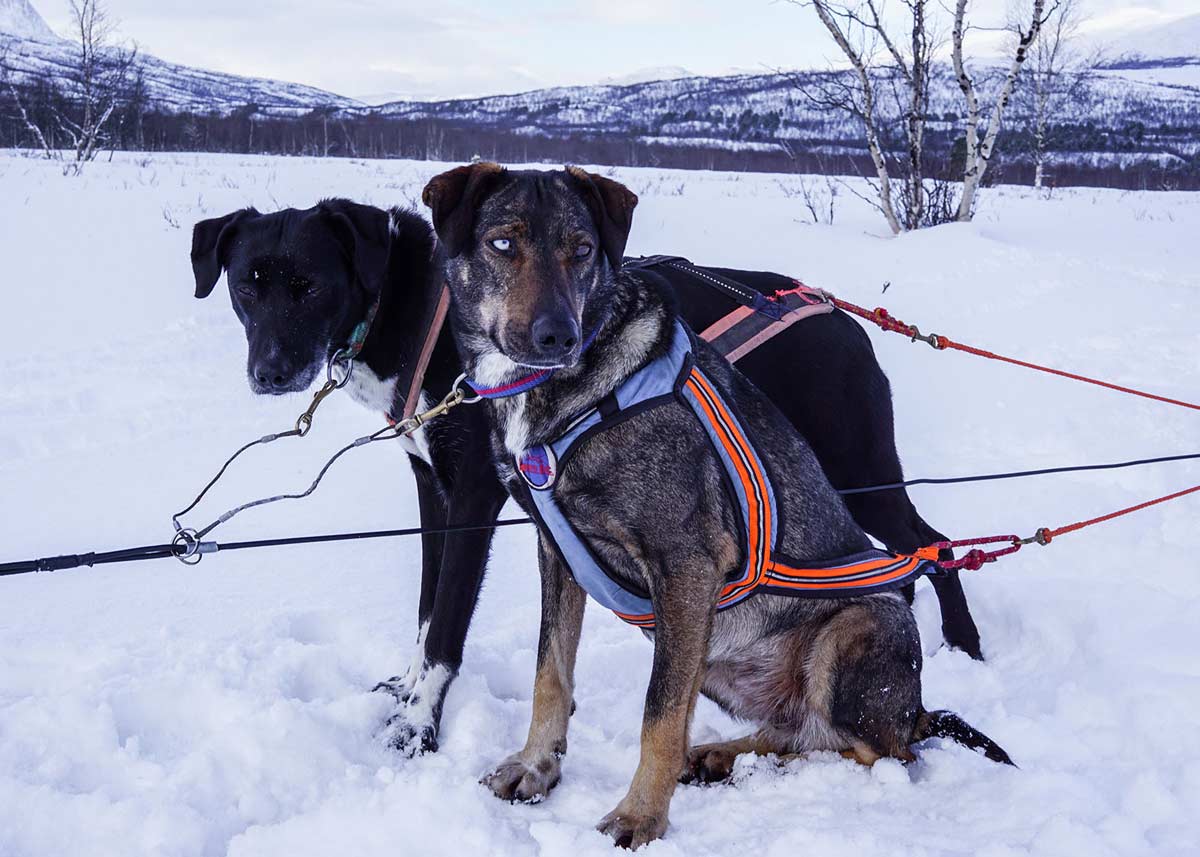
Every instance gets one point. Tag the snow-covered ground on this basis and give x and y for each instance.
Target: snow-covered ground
(160, 710)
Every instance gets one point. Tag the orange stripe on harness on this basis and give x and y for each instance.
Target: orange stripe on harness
(754, 485)
(890, 568)
(754, 577)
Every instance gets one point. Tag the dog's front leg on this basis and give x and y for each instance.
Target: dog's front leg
(476, 502)
(433, 518)
(683, 624)
(530, 774)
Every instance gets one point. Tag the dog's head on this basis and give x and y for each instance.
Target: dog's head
(528, 253)
(299, 281)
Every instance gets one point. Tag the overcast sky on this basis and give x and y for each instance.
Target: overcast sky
(449, 48)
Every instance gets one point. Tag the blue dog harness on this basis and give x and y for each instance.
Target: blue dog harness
(675, 379)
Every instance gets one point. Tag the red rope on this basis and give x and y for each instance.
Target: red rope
(976, 557)
(1079, 525)
(887, 322)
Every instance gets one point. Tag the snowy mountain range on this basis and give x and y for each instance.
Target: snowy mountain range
(1143, 104)
(1177, 41)
(30, 49)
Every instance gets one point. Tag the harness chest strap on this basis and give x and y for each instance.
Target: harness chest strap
(674, 378)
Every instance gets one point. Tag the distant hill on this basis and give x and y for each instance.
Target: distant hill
(1177, 41)
(19, 19)
(1149, 113)
(30, 50)
(1136, 122)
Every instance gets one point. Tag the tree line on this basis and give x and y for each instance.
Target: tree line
(924, 168)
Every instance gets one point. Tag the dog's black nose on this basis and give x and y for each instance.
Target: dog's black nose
(273, 375)
(554, 336)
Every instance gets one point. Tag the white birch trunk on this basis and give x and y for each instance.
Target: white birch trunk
(979, 153)
(886, 204)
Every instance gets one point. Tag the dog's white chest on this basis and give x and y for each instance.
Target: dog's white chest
(368, 389)
(378, 395)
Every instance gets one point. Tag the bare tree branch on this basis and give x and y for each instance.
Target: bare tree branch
(979, 152)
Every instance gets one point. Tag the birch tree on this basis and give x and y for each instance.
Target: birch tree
(889, 76)
(6, 79)
(979, 148)
(96, 81)
(1056, 78)
(92, 88)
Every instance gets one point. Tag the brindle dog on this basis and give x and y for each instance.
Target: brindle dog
(533, 269)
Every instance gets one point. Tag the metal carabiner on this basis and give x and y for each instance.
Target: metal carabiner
(189, 541)
(343, 358)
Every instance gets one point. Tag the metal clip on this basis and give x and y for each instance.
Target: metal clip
(188, 545)
(930, 339)
(453, 399)
(304, 421)
(342, 359)
(1041, 537)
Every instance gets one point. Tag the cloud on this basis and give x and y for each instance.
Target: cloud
(449, 48)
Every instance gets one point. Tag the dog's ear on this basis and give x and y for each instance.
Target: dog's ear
(363, 231)
(454, 198)
(210, 244)
(612, 206)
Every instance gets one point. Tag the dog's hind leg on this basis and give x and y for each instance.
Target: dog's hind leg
(864, 678)
(891, 517)
(682, 628)
(530, 774)
(958, 626)
(713, 763)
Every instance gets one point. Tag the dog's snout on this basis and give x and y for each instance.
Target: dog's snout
(274, 374)
(554, 336)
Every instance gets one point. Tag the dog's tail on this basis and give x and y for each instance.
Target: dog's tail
(947, 724)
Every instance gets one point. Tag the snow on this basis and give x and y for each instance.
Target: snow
(1177, 38)
(31, 50)
(152, 709)
(647, 75)
(19, 18)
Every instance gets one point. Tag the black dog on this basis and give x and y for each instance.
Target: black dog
(628, 443)
(301, 280)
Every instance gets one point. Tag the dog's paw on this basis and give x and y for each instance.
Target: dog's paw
(517, 779)
(965, 639)
(708, 763)
(410, 736)
(632, 830)
(399, 686)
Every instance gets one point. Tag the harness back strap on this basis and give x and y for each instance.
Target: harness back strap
(743, 330)
(739, 292)
(758, 319)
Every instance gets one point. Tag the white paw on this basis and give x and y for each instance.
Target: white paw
(410, 737)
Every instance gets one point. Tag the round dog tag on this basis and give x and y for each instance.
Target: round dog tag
(538, 466)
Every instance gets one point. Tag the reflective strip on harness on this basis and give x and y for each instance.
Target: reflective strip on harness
(854, 572)
(741, 331)
(673, 379)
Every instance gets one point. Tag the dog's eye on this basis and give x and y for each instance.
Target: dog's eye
(502, 245)
(583, 251)
(246, 290)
